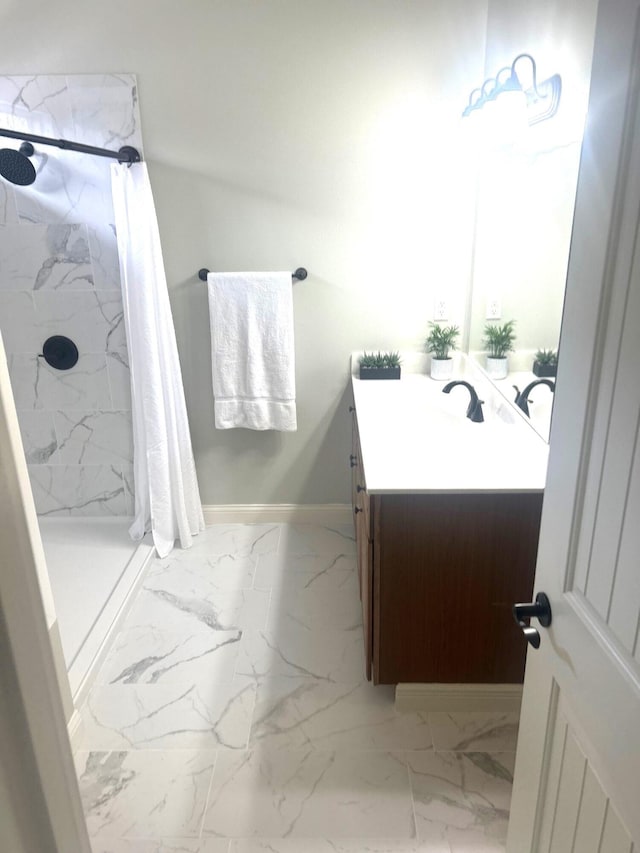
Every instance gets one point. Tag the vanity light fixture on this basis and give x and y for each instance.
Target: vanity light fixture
(540, 99)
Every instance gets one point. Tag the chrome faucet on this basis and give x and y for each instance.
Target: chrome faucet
(522, 397)
(474, 411)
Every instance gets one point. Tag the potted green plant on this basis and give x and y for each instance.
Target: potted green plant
(499, 340)
(545, 363)
(380, 365)
(440, 341)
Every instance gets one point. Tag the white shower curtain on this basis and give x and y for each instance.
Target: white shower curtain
(167, 500)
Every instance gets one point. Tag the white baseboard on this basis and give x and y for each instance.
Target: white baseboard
(325, 514)
(458, 697)
(75, 728)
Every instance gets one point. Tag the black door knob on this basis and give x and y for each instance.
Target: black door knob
(539, 609)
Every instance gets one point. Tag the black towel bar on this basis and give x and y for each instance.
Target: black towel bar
(300, 274)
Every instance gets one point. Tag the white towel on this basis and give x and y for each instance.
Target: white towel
(252, 350)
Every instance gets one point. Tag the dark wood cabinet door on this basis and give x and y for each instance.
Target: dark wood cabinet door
(448, 568)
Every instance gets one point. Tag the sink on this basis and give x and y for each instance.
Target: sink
(416, 439)
(426, 406)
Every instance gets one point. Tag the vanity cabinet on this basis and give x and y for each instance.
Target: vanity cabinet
(439, 573)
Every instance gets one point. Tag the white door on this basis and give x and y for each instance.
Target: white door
(40, 808)
(577, 780)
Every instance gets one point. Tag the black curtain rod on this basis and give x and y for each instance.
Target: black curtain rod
(127, 154)
(300, 274)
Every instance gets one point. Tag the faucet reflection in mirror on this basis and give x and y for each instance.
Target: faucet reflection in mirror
(522, 397)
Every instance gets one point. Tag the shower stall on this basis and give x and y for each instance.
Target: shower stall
(61, 319)
(94, 570)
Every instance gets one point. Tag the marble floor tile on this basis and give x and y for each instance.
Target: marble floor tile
(8, 211)
(295, 651)
(300, 539)
(324, 601)
(232, 716)
(224, 611)
(303, 792)
(462, 797)
(241, 540)
(94, 319)
(461, 841)
(145, 794)
(154, 716)
(201, 576)
(39, 438)
(273, 569)
(43, 257)
(37, 385)
(166, 845)
(87, 490)
(324, 845)
(474, 731)
(119, 378)
(112, 99)
(18, 320)
(297, 713)
(127, 482)
(156, 655)
(92, 438)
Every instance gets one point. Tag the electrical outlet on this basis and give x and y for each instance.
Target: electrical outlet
(494, 309)
(440, 310)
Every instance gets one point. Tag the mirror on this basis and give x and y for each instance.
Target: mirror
(524, 216)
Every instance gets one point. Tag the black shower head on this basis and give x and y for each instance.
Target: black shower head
(16, 167)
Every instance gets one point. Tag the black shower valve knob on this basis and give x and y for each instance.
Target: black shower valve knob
(60, 352)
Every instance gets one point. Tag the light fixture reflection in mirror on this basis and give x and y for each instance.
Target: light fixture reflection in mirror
(524, 199)
(541, 100)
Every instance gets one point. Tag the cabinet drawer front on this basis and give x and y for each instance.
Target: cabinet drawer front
(355, 462)
(362, 513)
(359, 497)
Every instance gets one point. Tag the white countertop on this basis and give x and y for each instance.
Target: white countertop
(415, 439)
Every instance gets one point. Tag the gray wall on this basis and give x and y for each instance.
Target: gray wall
(289, 133)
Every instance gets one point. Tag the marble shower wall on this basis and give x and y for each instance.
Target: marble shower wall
(59, 275)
